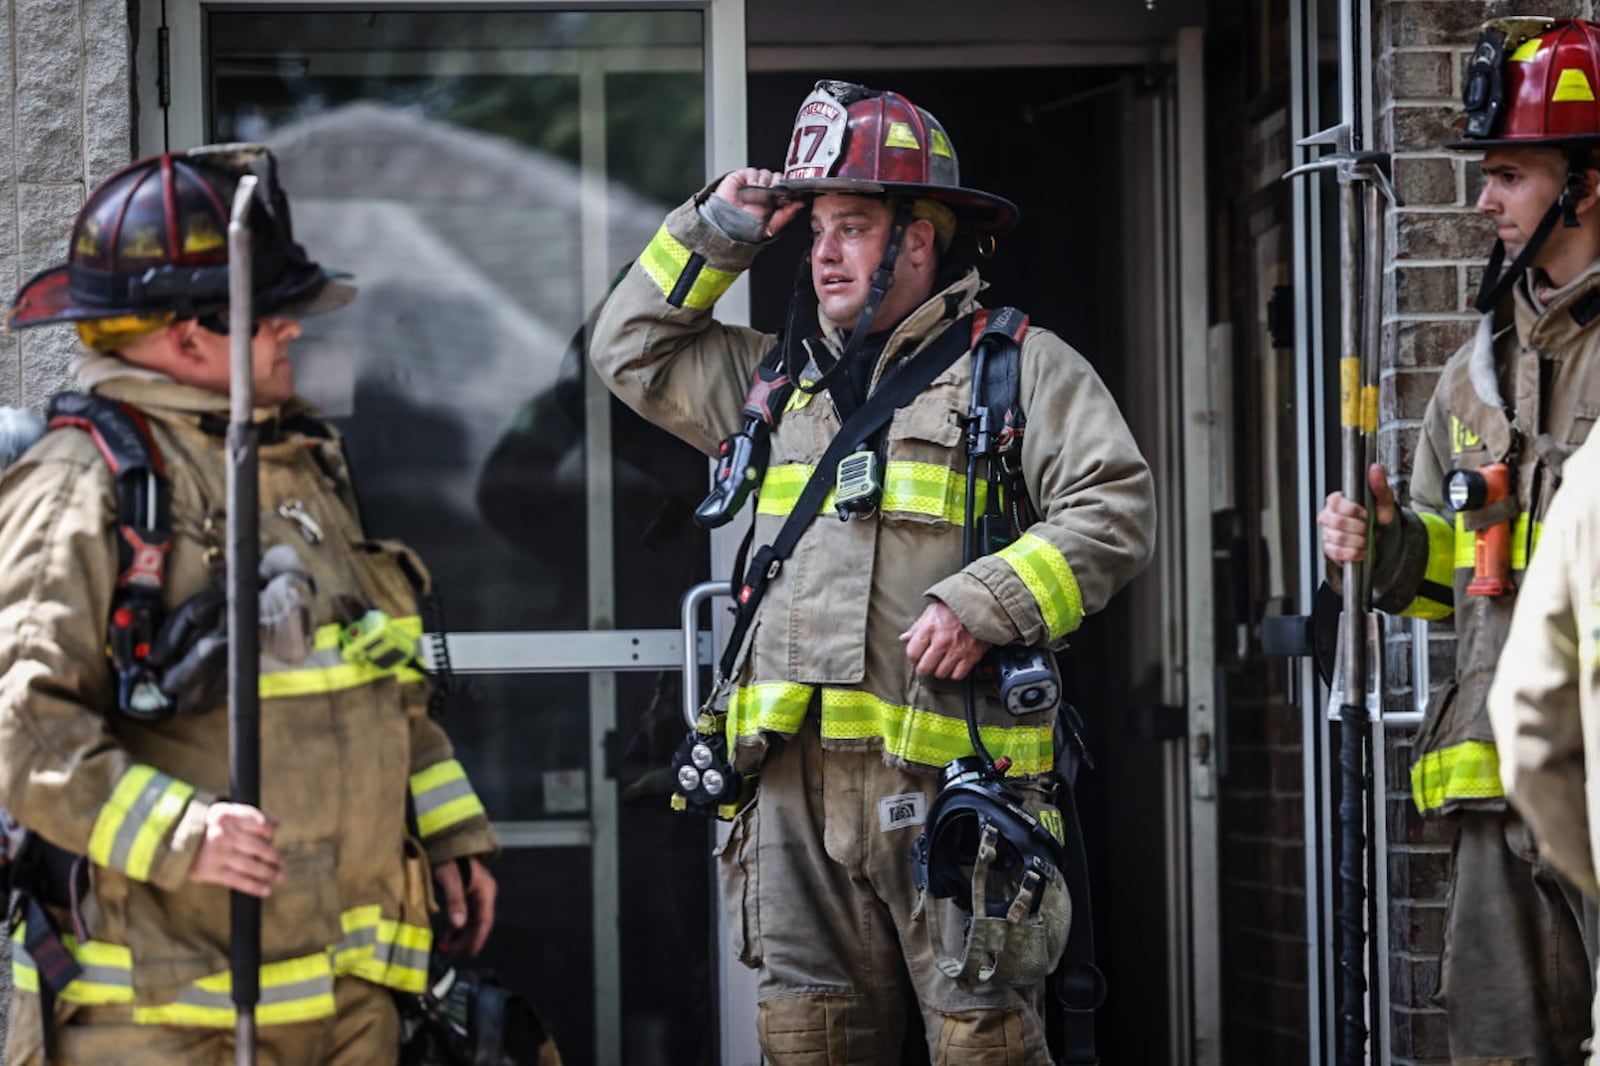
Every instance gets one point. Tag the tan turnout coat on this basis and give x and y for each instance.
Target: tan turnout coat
(342, 743)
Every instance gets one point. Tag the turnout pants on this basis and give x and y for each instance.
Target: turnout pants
(365, 1031)
(819, 894)
(1517, 975)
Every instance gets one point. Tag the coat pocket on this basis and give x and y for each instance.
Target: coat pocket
(739, 871)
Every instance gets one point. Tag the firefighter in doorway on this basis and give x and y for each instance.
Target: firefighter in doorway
(111, 532)
(846, 691)
(1508, 410)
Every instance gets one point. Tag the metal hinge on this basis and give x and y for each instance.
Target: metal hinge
(164, 66)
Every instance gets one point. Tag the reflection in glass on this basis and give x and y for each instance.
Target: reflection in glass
(484, 175)
(453, 181)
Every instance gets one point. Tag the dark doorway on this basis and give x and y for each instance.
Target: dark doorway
(1051, 141)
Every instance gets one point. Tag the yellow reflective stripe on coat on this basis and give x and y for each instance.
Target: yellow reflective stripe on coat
(931, 739)
(908, 488)
(294, 990)
(1047, 575)
(910, 733)
(1466, 771)
(381, 950)
(143, 808)
(443, 797)
(325, 670)
(671, 265)
(1522, 544)
(107, 975)
(1524, 537)
(1440, 571)
(779, 706)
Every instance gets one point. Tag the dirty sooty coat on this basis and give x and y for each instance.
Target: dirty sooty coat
(342, 742)
(828, 629)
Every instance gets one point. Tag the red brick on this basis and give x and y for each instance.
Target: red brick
(1418, 1036)
(1418, 872)
(1426, 289)
(1450, 23)
(1428, 179)
(1427, 344)
(1405, 393)
(1422, 75)
(1457, 235)
(1423, 127)
(1417, 926)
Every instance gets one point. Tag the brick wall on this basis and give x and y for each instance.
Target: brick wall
(65, 122)
(1437, 248)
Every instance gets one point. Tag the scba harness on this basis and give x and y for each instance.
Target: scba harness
(701, 766)
(165, 663)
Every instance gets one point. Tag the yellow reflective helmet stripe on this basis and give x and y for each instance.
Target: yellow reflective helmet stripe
(1047, 575)
(910, 733)
(143, 808)
(908, 488)
(682, 275)
(325, 670)
(443, 797)
(1572, 86)
(1466, 771)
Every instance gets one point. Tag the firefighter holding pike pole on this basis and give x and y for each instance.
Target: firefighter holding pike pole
(1507, 411)
(116, 533)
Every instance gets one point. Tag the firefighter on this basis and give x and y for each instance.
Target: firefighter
(120, 762)
(847, 693)
(1543, 701)
(1507, 411)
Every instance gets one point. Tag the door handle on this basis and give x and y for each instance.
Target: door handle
(689, 619)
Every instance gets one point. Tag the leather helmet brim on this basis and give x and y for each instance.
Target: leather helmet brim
(975, 211)
(47, 298)
(329, 296)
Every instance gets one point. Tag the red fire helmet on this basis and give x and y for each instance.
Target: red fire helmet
(152, 238)
(1533, 81)
(851, 139)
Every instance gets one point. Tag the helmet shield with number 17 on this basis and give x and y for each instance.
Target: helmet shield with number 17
(858, 141)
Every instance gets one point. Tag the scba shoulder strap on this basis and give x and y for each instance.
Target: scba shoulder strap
(998, 422)
(144, 537)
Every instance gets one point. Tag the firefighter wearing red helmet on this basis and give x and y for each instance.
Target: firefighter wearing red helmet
(113, 729)
(1509, 408)
(847, 689)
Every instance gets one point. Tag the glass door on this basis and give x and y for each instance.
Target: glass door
(484, 174)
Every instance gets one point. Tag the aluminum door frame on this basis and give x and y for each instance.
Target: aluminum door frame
(170, 80)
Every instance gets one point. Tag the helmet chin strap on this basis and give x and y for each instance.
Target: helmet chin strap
(1496, 283)
(882, 278)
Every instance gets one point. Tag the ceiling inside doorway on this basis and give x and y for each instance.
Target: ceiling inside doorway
(786, 34)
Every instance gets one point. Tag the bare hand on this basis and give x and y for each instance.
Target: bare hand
(776, 213)
(1344, 522)
(940, 645)
(470, 907)
(237, 851)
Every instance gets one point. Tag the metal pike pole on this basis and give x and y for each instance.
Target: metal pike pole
(244, 613)
(1364, 184)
